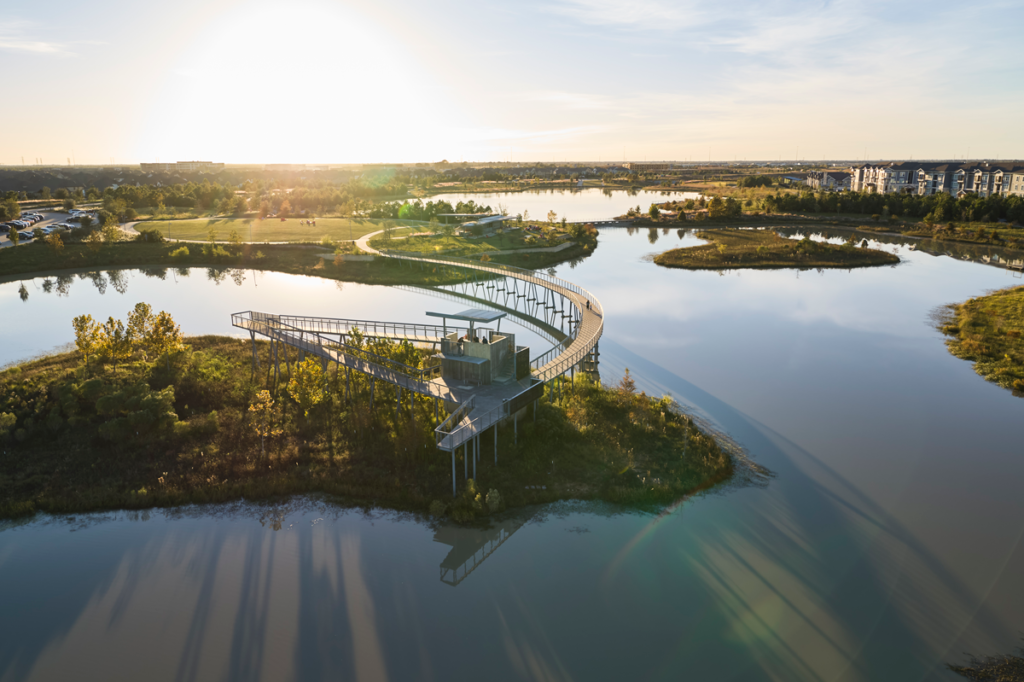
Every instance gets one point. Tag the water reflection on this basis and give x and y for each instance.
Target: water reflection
(472, 546)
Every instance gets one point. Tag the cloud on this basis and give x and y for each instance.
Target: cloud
(14, 37)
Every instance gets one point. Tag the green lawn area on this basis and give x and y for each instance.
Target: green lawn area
(272, 229)
(463, 246)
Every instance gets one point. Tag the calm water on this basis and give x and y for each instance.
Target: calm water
(887, 542)
(575, 205)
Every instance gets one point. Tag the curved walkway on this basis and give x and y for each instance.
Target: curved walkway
(591, 314)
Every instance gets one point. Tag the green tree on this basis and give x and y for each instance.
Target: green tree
(654, 212)
(306, 387)
(87, 335)
(61, 193)
(14, 236)
(140, 325)
(44, 193)
(164, 335)
(448, 230)
(717, 209)
(69, 204)
(54, 241)
(264, 418)
(7, 424)
(114, 342)
(552, 217)
(86, 222)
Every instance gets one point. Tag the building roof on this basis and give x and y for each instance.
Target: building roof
(471, 315)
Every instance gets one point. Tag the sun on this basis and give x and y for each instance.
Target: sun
(303, 82)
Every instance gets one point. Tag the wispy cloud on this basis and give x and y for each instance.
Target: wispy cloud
(17, 36)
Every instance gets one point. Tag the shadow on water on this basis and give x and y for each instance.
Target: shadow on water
(818, 579)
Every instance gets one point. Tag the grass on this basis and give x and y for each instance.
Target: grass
(464, 246)
(1006, 668)
(989, 331)
(77, 446)
(272, 229)
(764, 249)
(293, 259)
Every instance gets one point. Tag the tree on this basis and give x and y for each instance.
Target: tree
(61, 193)
(14, 236)
(717, 209)
(306, 387)
(114, 341)
(7, 424)
(69, 204)
(54, 241)
(388, 234)
(44, 193)
(552, 217)
(164, 335)
(87, 335)
(654, 212)
(140, 325)
(434, 226)
(448, 230)
(262, 412)
(111, 233)
(284, 209)
(85, 221)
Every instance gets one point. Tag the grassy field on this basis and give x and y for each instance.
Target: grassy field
(989, 330)
(293, 259)
(464, 246)
(765, 249)
(272, 229)
(178, 429)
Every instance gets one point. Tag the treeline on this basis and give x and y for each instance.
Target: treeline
(756, 181)
(935, 208)
(417, 210)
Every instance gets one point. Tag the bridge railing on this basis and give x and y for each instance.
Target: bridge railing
(519, 273)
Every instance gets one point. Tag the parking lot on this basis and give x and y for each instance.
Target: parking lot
(50, 218)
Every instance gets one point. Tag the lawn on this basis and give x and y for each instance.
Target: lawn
(272, 229)
(464, 246)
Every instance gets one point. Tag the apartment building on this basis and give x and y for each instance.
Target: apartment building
(925, 178)
(836, 180)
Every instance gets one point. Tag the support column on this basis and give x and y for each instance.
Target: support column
(515, 426)
(474, 458)
(453, 472)
(495, 443)
(465, 460)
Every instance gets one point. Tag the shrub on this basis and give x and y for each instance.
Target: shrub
(180, 254)
(150, 236)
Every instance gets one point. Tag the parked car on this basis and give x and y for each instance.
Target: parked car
(25, 236)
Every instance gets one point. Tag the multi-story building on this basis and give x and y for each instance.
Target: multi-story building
(643, 167)
(836, 180)
(983, 179)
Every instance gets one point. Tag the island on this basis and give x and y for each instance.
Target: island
(766, 249)
(989, 330)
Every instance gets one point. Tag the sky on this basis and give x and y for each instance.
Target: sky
(400, 81)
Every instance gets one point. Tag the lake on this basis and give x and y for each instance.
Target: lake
(885, 542)
(575, 205)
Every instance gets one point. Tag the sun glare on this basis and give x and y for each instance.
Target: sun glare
(303, 82)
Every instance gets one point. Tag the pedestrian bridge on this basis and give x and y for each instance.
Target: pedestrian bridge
(473, 409)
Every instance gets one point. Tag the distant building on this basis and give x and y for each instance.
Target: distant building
(643, 167)
(181, 166)
(926, 178)
(834, 180)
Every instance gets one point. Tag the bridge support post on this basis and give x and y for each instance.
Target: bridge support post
(348, 375)
(495, 443)
(465, 460)
(474, 457)
(255, 356)
(515, 427)
(453, 472)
